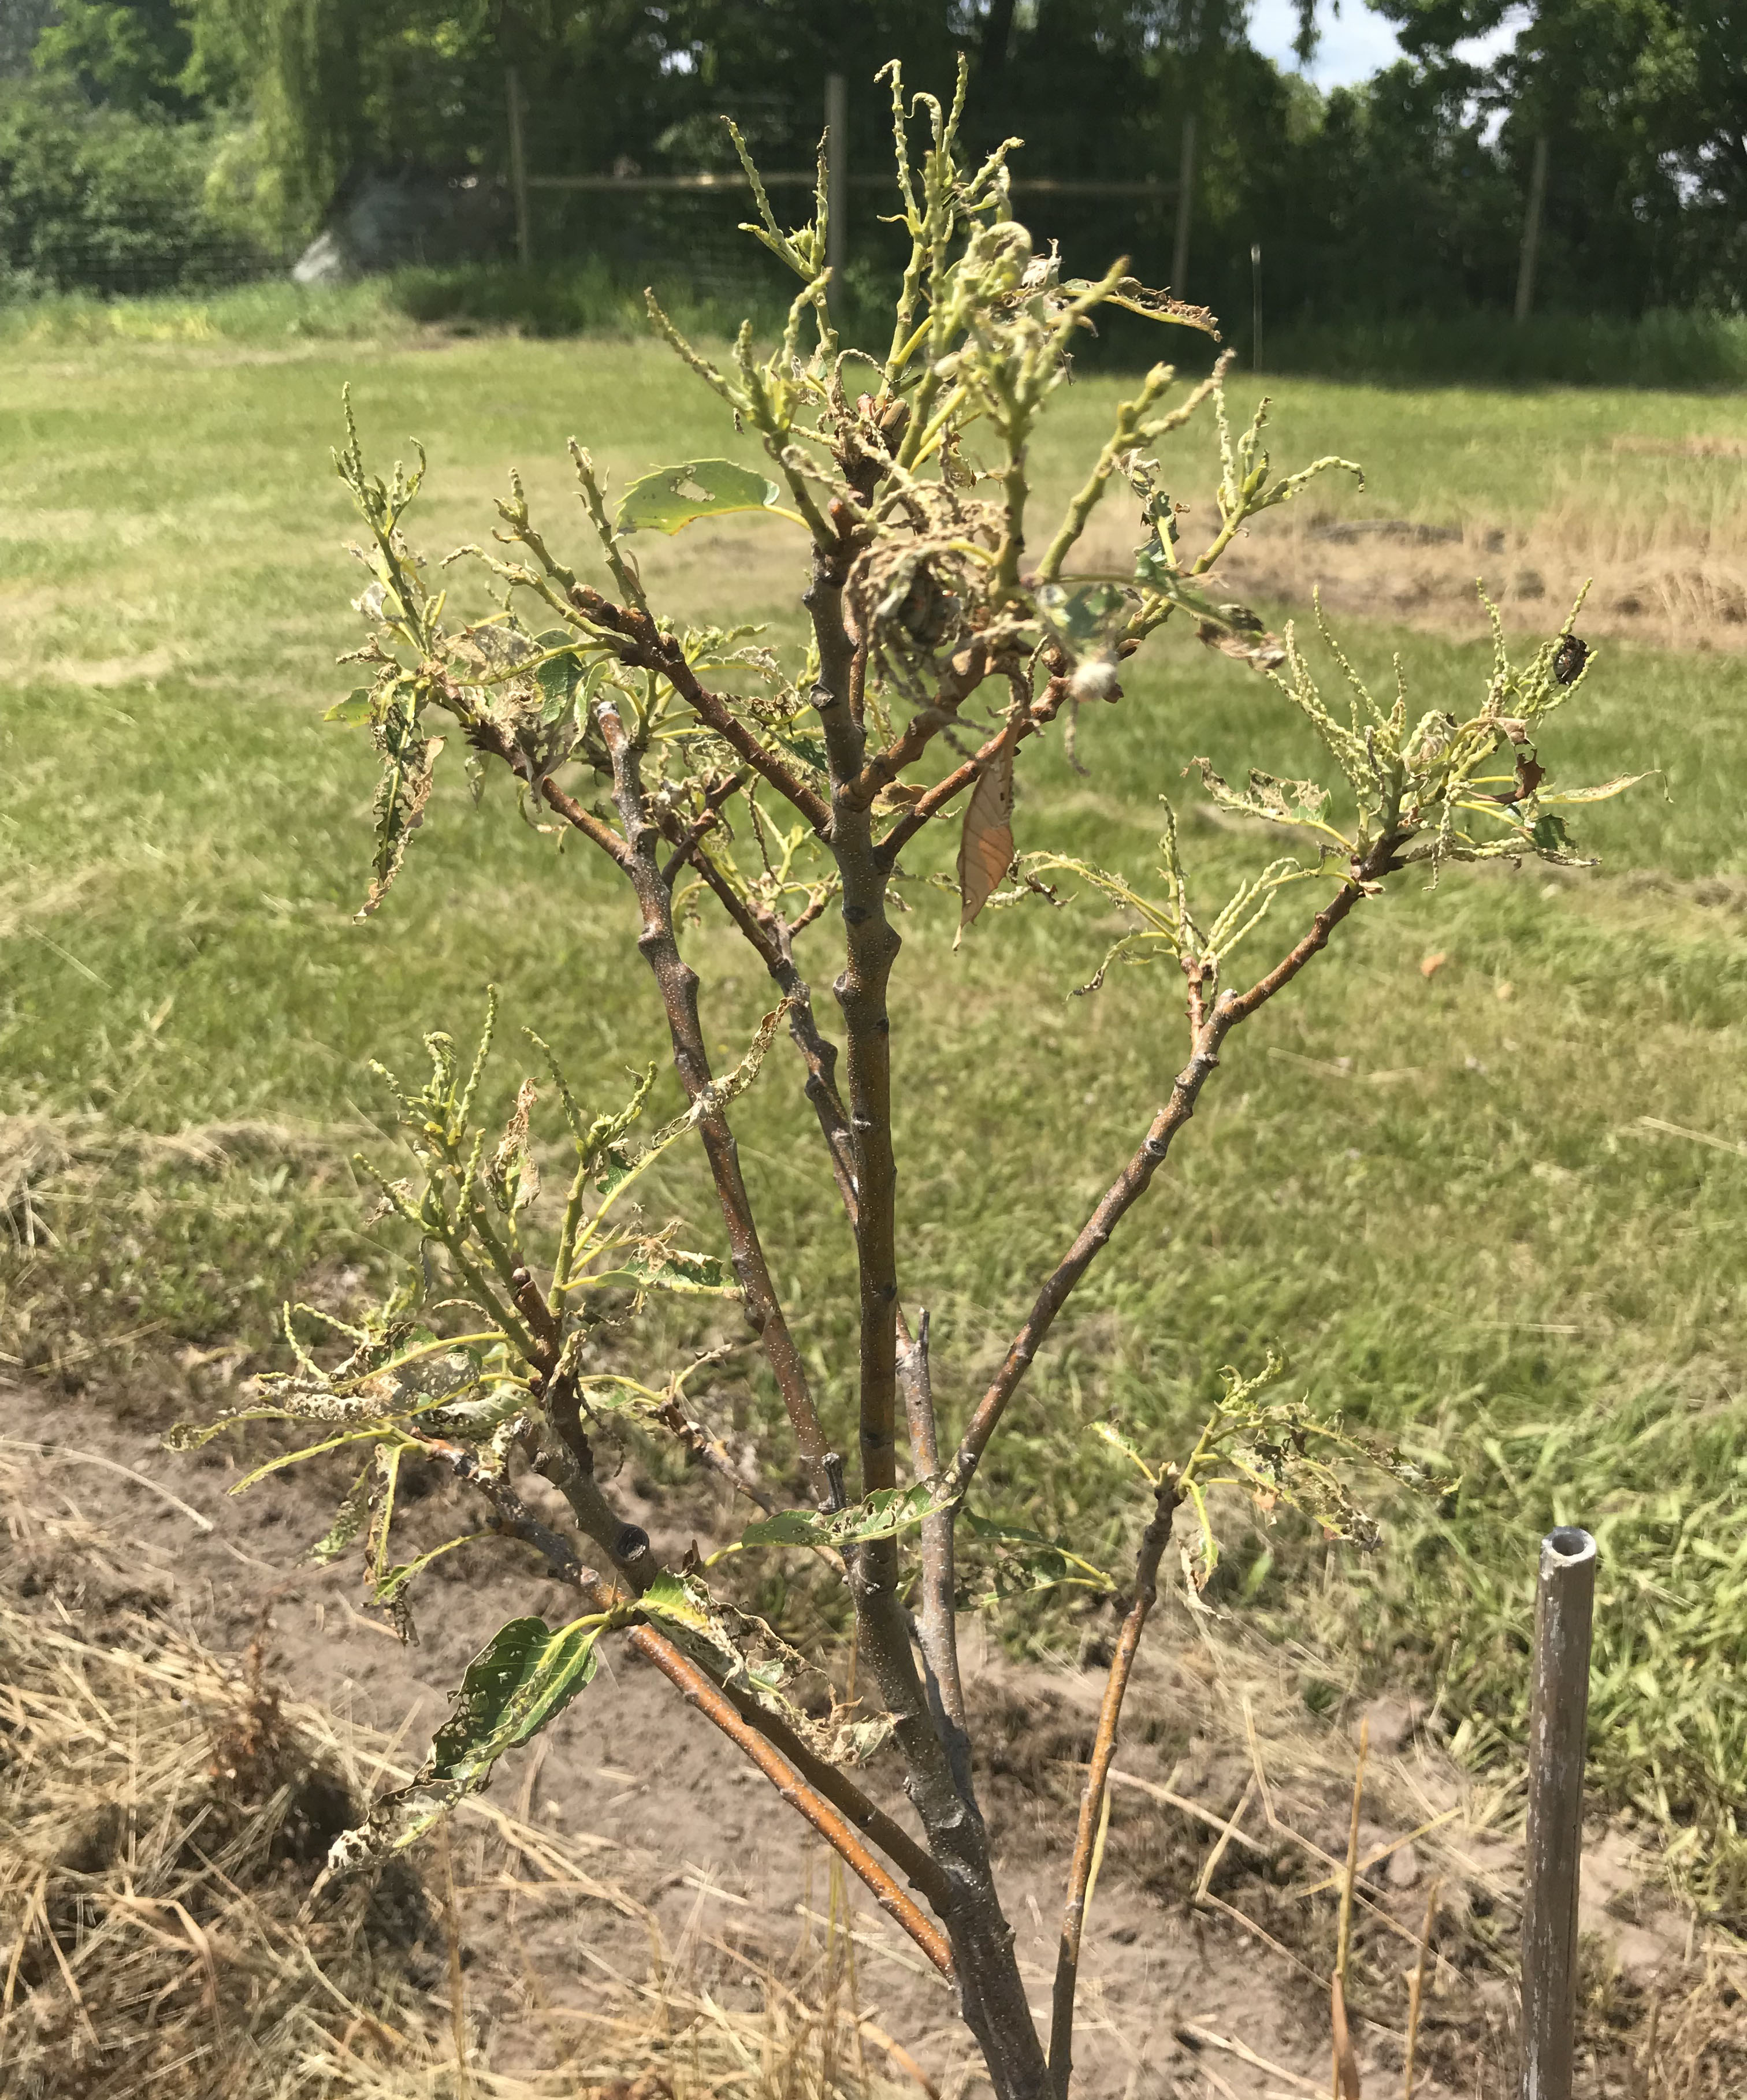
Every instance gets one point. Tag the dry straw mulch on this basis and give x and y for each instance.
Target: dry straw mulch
(163, 1820)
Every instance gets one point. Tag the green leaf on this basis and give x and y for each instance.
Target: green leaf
(681, 1603)
(883, 1514)
(348, 1520)
(524, 1676)
(674, 495)
(788, 1527)
(557, 678)
(1085, 616)
(354, 707)
(677, 1270)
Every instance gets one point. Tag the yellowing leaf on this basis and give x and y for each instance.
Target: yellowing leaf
(985, 846)
(674, 495)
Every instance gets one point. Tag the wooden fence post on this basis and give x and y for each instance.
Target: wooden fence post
(519, 169)
(1538, 198)
(837, 184)
(1558, 1730)
(1179, 260)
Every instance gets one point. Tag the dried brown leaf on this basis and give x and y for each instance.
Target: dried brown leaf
(985, 846)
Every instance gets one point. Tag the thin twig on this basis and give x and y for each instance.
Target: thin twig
(1346, 2071)
(1228, 1011)
(1204, 2037)
(1095, 1797)
(1416, 1990)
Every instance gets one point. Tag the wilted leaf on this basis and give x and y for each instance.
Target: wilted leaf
(674, 495)
(395, 1580)
(525, 1674)
(1031, 1561)
(985, 846)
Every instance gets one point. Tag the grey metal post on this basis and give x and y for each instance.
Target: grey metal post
(1538, 198)
(1557, 1728)
(837, 181)
(518, 168)
(1180, 259)
(1255, 303)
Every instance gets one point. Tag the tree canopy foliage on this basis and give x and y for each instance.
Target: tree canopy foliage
(1404, 194)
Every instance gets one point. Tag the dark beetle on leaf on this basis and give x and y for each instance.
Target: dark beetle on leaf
(1567, 665)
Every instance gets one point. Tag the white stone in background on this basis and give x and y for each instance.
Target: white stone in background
(324, 262)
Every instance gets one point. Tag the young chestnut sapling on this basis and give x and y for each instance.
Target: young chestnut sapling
(715, 773)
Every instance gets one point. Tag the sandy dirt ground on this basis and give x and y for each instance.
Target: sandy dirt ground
(635, 1780)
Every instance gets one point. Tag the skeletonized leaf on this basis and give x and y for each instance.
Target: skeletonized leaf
(1235, 631)
(408, 761)
(673, 496)
(985, 846)
(679, 1603)
(348, 1520)
(524, 1675)
(1604, 792)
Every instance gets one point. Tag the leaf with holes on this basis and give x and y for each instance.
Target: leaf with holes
(985, 845)
(674, 495)
(524, 1676)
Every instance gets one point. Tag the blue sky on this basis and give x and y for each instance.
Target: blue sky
(1355, 44)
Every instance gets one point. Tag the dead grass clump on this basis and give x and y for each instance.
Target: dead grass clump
(164, 1818)
(161, 1825)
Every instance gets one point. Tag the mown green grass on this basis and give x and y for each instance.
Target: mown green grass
(1466, 1237)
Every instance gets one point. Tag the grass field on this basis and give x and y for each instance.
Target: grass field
(1439, 1194)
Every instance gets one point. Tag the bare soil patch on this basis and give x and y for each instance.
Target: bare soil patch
(622, 1829)
(1681, 583)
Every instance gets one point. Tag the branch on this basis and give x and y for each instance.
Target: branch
(841, 1801)
(992, 1994)
(648, 650)
(940, 1588)
(1131, 1183)
(1042, 711)
(700, 1690)
(965, 672)
(677, 982)
(484, 735)
(771, 940)
(1154, 1540)
(715, 798)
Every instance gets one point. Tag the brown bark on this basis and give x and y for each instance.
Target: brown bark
(677, 982)
(992, 1993)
